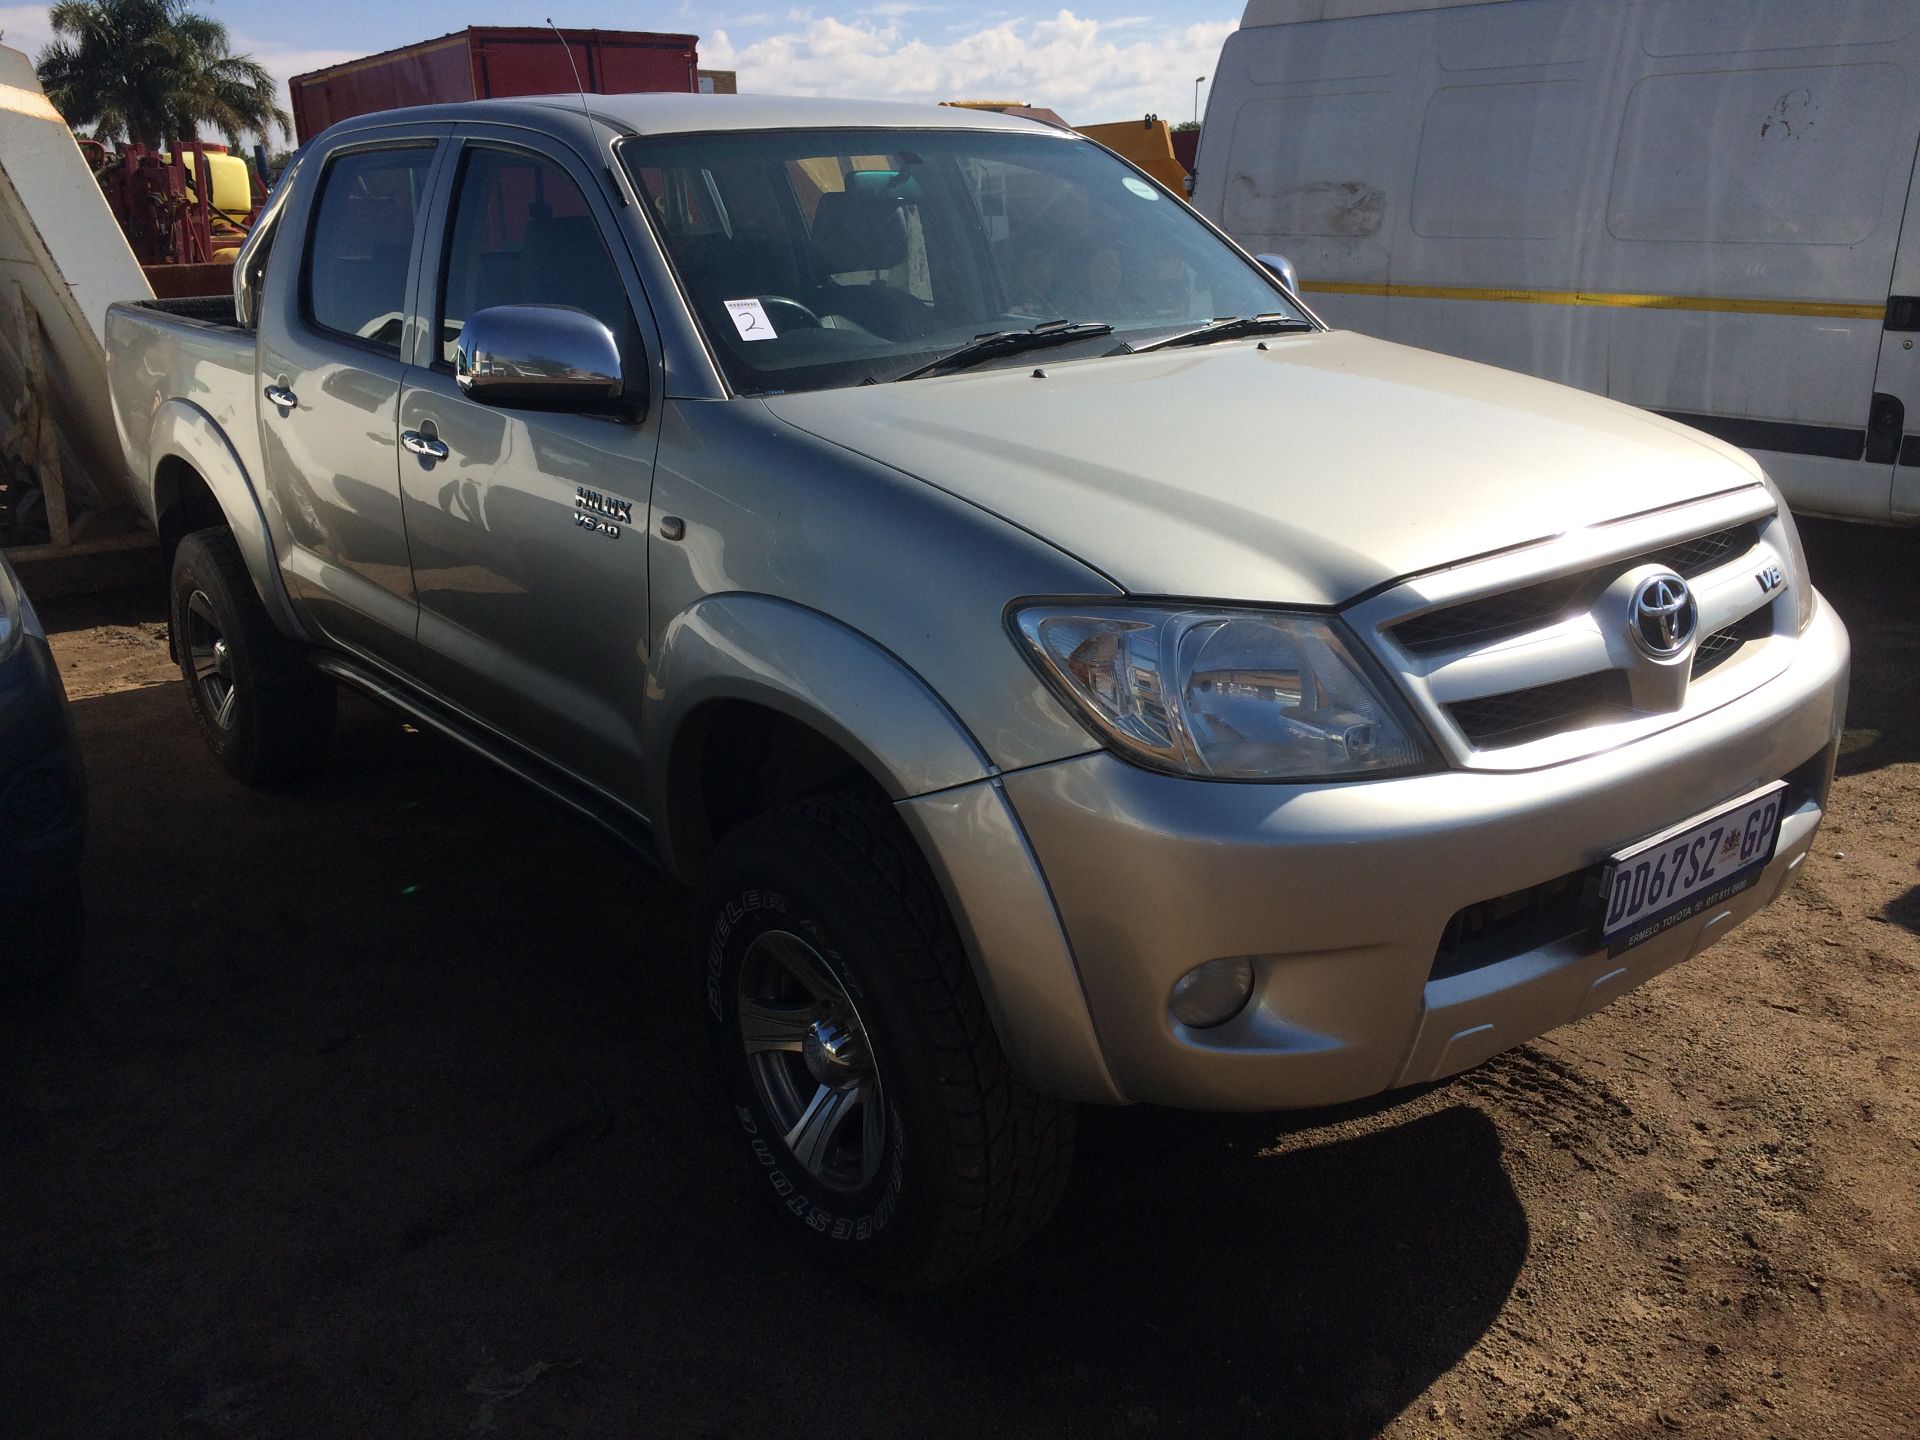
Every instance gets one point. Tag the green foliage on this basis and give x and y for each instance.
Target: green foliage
(1188, 125)
(153, 71)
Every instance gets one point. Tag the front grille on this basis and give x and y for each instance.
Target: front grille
(1490, 931)
(1694, 557)
(1534, 607)
(1493, 721)
(1721, 646)
(1498, 617)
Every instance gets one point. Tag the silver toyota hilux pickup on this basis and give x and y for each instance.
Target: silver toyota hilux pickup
(1069, 672)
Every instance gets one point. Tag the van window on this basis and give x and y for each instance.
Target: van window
(1796, 156)
(523, 234)
(1496, 161)
(1338, 153)
(362, 242)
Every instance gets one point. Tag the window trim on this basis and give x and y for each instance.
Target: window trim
(398, 353)
(434, 303)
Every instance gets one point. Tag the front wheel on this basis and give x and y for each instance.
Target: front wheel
(863, 1072)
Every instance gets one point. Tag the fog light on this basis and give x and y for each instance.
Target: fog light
(1213, 993)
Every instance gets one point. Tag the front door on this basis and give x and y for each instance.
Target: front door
(332, 339)
(529, 539)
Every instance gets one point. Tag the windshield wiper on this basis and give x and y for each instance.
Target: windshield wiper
(1231, 327)
(1009, 342)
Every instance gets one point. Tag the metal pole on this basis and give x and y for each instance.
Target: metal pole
(1196, 97)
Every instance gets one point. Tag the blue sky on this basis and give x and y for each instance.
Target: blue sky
(1099, 60)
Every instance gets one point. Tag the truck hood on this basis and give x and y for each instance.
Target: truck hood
(1304, 472)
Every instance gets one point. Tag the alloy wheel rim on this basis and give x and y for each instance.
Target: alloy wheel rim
(211, 661)
(811, 1061)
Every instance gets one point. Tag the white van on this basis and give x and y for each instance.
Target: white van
(1693, 206)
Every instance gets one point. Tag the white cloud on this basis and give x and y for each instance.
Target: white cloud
(24, 27)
(1088, 70)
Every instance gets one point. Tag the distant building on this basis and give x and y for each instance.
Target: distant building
(718, 82)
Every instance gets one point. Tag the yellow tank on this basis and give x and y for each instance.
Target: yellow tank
(232, 187)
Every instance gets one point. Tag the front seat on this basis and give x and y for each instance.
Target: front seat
(865, 235)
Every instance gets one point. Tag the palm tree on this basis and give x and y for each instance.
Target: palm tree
(153, 71)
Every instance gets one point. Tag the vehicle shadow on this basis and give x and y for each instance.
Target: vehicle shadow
(1871, 574)
(1200, 1281)
(1905, 910)
(383, 1108)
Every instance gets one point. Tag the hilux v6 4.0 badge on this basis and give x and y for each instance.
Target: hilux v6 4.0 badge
(606, 514)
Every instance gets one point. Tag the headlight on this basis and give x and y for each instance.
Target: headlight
(13, 627)
(1801, 581)
(1230, 694)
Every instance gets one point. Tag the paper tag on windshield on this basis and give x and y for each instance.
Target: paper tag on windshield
(750, 319)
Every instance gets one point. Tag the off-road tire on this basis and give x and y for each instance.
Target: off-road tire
(281, 720)
(974, 1162)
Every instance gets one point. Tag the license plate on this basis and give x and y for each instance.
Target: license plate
(1658, 883)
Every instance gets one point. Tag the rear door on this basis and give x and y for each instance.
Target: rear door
(334, 331)
(530, 620)
(1895, 440)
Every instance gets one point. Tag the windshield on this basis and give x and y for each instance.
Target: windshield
(823, 258)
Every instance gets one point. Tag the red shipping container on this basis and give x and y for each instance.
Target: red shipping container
(487, 61)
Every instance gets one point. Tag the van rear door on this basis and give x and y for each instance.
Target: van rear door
(1894, 438)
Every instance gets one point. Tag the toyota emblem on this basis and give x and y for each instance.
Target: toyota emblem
(1662, 615)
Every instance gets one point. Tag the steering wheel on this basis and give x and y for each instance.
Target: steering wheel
(808, 320)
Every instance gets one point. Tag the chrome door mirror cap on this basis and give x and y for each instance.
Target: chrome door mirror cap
(542, 357)
(1282, 270)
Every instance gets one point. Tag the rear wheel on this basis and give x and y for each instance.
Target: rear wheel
(266, 714)
(863, 1071)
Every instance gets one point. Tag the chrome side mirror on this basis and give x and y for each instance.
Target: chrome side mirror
(1282, 270)
(543, 357)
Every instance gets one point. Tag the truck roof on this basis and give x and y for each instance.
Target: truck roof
(676, 114)
(1304, 12)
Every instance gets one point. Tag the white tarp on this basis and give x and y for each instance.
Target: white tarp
(61, 248)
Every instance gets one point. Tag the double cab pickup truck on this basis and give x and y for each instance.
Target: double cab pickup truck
(1068, 671)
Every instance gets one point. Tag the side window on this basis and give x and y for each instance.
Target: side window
(523, 234)
(361, 242)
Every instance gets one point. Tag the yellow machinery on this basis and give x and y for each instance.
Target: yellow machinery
(1147, 142)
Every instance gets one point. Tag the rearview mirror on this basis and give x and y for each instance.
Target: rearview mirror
(1282, 270)
(543, 357)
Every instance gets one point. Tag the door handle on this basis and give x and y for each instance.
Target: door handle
(281, 396)
(424, 446)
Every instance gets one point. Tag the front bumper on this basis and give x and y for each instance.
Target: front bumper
(1343, 893)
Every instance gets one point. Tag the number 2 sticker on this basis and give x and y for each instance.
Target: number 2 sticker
(750, 319)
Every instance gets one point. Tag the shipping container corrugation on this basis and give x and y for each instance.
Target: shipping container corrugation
(487, 61)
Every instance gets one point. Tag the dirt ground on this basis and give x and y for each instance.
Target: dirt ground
(382, 1109)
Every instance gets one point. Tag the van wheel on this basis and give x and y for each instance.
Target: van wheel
(861, 1067)
(266, 714)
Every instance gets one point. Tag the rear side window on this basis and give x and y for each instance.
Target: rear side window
(362, 240)
(523, 234)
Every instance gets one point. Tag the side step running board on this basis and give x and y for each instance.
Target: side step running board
(625, 826)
